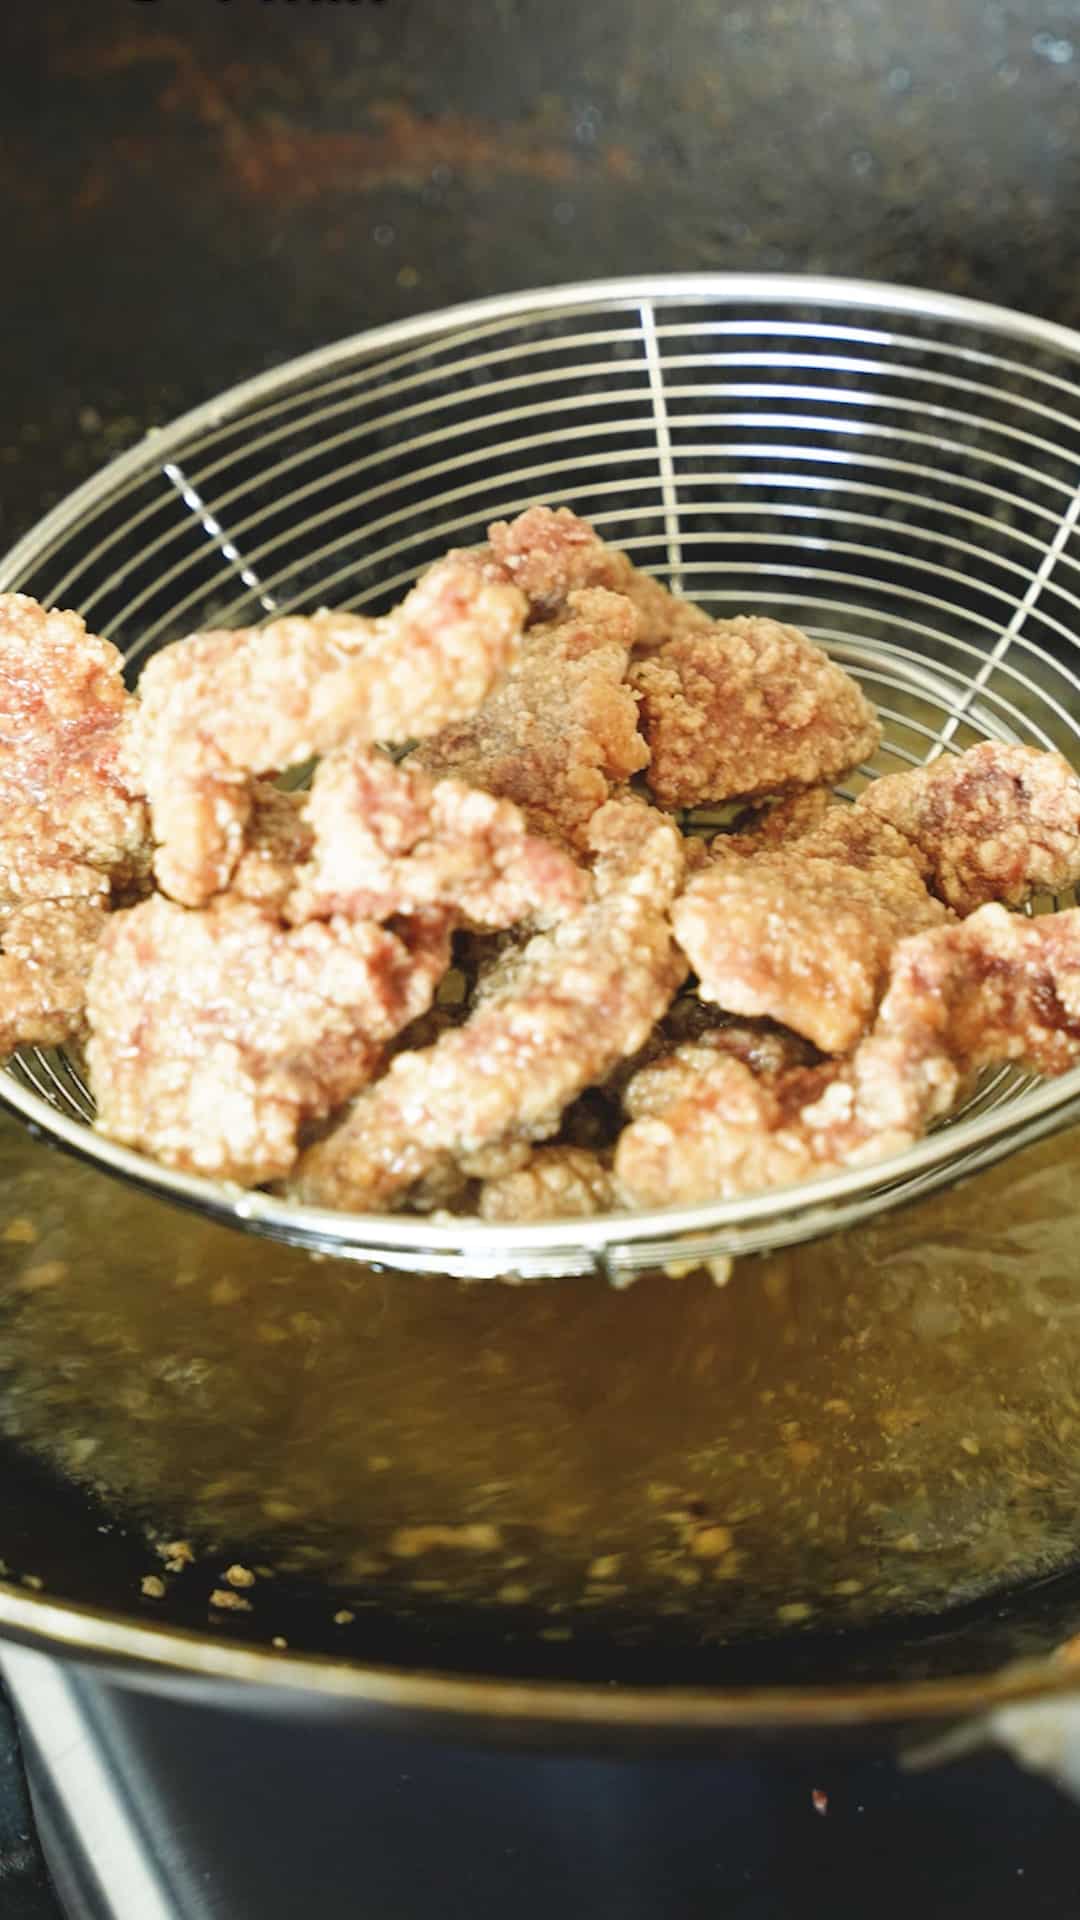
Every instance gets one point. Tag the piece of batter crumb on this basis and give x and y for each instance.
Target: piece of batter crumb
(408, 1543)
(176, 1553)
(228, 1601)
(20, 1232)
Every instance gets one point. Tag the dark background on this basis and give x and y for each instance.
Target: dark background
(196, 189)
(193, 190)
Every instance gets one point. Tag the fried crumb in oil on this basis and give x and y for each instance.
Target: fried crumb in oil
(408, 1543)
(710, 1543)
(20, 1232)
(179, 1552)
(605, 1567)
(513, 1594)
(228, 1601)
(50, 1273)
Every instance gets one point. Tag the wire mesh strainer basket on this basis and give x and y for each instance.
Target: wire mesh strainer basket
(896, 472)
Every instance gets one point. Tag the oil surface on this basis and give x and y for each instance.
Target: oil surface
(884, 1422)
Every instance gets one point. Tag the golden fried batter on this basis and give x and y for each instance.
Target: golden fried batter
(48, 947)
(995, 987)
(71, 820)
(556, 1183)
(550, 1019)
(995, 823)
(72, 825)
(561, 732)
(550, 553)
(766, 1050)
(790, 817)
(803, 932)
(219, 707)
(746, 707)
(215, 1035)
(278, 839)
(388, 839)
(726, 1133)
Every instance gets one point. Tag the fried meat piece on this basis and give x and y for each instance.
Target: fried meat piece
(993, 988)
(221, 706)
(995, 823)
(550, 1019)
(550, 553)
(803, 932)
(996, 987)
(747, 707)
(561, 732)
(71, 819)
(766, 1050)
(726, 1133)
(389, 839)
(216, 1035)
(48, 947)
(556, 1183)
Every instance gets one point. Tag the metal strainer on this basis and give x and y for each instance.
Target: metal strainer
(897, 472)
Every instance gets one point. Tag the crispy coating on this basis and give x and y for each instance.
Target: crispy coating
(995, 987)
(222, 706)
(723, 1135)
(71, 819)
(556, 1183)
(795, 814)
(803, 932)
(389, 839)
(766, 1050)
(48, 947)
(857, 840)
(747, 707)
(26, 879)
(561, 732)
(216, 1035)
(994, 823)
(551, 553)
(278, 839)
(790, 817)
(550, 1019)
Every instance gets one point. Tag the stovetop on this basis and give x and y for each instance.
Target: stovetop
(164, 1809)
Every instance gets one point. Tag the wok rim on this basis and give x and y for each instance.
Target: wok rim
(175, 1658)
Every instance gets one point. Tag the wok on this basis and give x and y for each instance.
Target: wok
(842, 1488)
